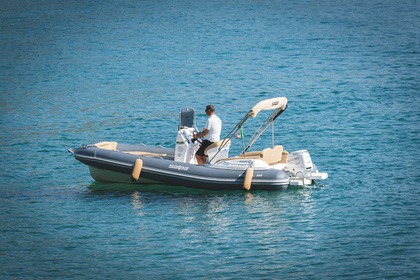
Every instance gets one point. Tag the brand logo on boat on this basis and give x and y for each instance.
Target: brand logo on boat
(275, 103)
(178, 167)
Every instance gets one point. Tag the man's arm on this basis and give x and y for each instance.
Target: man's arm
(202, 134)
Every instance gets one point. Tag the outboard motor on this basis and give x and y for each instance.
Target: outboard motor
(299, 161)
(185, 148)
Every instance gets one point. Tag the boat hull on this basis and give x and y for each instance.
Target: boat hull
(116, 166)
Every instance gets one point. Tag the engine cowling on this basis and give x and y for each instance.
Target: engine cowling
(299, 161)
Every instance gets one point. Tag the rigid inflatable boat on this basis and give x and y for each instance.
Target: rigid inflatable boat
(268, 169)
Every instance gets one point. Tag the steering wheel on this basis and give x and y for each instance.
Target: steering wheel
(196, 139)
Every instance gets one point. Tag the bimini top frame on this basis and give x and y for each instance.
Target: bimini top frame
(278, 105)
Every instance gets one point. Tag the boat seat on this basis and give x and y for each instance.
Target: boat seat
(216, 145)
(112, 146)
(254, 154)
(270, 155)
(284, 156)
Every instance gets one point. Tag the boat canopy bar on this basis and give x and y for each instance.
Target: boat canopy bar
(264, 126)
(268, 104)
(278, 104)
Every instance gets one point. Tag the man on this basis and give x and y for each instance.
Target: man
(210, 133)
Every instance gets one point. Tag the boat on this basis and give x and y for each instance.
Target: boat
(272, 168)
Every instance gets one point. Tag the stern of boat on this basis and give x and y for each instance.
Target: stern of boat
(301, 170)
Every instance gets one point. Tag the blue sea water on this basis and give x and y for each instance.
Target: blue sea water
(80, 72)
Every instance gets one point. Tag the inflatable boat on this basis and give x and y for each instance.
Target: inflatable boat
(272, 168)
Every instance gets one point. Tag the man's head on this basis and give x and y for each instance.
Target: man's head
(210, 109)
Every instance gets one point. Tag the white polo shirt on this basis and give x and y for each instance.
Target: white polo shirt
(214, 125)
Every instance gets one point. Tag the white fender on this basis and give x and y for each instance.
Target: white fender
(248, 178)
(137, 169)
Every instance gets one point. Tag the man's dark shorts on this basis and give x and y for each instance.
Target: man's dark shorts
(203, 146)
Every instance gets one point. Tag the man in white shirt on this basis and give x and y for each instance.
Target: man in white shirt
(210, 134)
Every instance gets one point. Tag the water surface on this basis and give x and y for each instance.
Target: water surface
(81, 72)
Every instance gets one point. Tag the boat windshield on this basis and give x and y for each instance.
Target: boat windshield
(187, 117)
